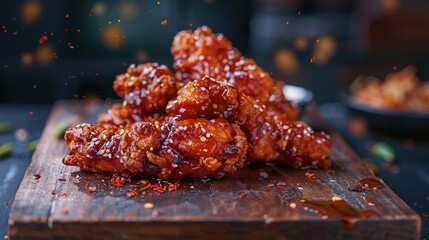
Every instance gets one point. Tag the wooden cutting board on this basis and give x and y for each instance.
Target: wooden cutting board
(59, 206)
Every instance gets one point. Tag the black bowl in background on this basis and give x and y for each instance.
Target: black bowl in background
(403, 124)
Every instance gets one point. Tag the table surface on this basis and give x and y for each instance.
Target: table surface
(410, 180)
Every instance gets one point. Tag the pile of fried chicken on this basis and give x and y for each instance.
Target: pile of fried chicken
(217, 113)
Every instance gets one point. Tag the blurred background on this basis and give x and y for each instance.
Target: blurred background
(64, 49)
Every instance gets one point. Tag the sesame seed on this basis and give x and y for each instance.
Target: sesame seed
(214, 105)
(203, 139)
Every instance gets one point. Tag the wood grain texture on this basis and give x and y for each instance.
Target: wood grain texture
(198, 210)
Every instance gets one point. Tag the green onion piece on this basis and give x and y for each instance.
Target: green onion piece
(61, 130)
(31, 147)
(5, 150)
(383, 151)
(5, 127)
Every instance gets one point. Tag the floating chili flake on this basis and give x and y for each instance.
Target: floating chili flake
(61, 179)
(270, 185)
(132, 193)
(281, 184)
(43, 39)
(70, 45)
(241, 196)
(52, 192)
(310, 175)
(36, 176)
(90, 189)
(164, 22)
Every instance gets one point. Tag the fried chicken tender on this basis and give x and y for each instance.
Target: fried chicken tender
(146, 87)
(196, 148)
(201, 53)
(270, 136)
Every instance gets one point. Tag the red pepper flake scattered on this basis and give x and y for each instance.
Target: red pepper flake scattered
(118, 181)
(164, 22)
(148, 186)
(310, 175)
(270, 185)
(241, 196)
(173, 187)
(36, 176)
(90, 189)
(65, 211)
(63, 194)
(61, 179)
(159, 188)
(281, 184)
(132, 193)
(43, 39)
(53, 192)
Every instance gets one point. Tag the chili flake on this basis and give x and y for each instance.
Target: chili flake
(310, 175)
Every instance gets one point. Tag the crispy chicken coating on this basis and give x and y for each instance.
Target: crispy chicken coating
(270, 135)
(201, 53)
(196, 148)
(146, 87)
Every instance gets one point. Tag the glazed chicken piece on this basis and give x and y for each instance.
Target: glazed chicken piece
(146, 90)
(270, 135)
(196, 148)
(201, 53)
(146, 87)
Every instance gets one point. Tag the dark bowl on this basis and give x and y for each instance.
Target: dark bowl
(406, 124)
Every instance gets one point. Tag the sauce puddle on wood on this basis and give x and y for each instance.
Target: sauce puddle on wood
(366, 184)
(337, 208)
(370, 184)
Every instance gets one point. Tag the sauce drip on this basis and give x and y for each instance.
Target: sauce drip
(370, 184)
(337, 208)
